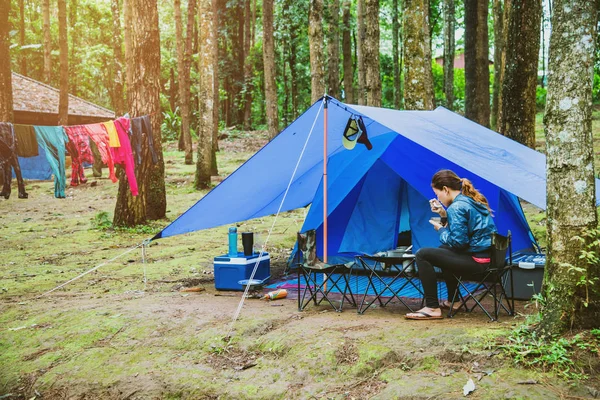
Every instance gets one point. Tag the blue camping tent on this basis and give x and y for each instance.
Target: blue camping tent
(374, 195)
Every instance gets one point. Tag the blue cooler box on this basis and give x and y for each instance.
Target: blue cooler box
(230, 270)
(528, 273)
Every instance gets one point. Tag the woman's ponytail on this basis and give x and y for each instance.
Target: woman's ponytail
(469, 190)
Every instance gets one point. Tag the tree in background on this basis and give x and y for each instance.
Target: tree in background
(333, 45)
(184, 56)
(396, 59)
(372, 78)
(498, 15)
(47, 41)
(6, 98)
(22, 58)
(248, 46)
(572, 294)
(317, 62)
(117, 43)
(347, 54)
(516, 116)
(449, 47)
(418, 78)
(74, 59)
(477, 63)
(63, 100)
(143, 88)
(360, 51)
(206, 67)
(269, 69)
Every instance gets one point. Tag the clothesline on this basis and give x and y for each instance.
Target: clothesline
(118, 141)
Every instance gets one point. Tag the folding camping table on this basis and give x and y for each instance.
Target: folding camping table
(379, 266)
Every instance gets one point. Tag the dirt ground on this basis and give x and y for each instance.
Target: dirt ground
(128, 331)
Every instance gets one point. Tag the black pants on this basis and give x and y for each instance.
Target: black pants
(450, 262)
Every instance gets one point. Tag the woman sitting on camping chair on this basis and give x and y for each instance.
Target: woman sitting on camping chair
(465, 232)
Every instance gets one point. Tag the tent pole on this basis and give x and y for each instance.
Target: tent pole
(325, 179)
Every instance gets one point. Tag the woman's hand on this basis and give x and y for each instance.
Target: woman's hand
(437, 207)
(437, 225)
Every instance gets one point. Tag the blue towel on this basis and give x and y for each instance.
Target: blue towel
(53, 140)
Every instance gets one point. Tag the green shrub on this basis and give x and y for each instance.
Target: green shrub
(171, 125)
(540, 98)
(101, 221)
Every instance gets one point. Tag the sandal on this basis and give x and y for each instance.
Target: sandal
(423, 315)
(445, 305)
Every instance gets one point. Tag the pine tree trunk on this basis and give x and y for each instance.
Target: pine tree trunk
(184, 53)
(449, 28)
(6, 97)
(360, 51)
(269, 69)
(143, 83)
(215, 105)
(47, 41)
(477, 64)
(570, 168)
(74, 61)
(498, 10)
(127, 40)
(22, 57)
(334, 49)
(418, 77)
(396, 54)
(248, 86)
(118, 59)
(373, 80)
(317, 58)
(63, 100)
(206, 67)
(517, 120)
(347, 54)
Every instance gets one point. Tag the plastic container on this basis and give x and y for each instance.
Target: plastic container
(248, 243)
(276, 294)
(233, 242)
(229, 271)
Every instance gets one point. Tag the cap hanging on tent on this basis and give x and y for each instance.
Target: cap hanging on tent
(355, 132)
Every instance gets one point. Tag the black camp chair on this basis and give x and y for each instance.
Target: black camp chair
(335, 276)
(488, 282)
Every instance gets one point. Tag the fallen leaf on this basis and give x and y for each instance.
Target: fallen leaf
(469, 387)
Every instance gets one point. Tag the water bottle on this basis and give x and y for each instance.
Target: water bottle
(233, 242)
(276, 294)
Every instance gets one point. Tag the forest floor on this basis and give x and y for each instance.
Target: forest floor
(112, 335)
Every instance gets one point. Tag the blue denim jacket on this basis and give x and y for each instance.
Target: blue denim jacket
(470, 226)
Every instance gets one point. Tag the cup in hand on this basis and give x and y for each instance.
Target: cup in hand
(437, 220)
(435, 205)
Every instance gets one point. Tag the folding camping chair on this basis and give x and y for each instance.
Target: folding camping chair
(495, 275)
(310, 268)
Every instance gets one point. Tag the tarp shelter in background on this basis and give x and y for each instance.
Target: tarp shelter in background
(374, 195)
(36, 103)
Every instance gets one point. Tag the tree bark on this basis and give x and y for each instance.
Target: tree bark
(360, 51)
(248, 84)
(63, 100)
(477, 64)
(517, 116)
(118, 59)
(373, 79)
(334, 49)
(47, 41)
(498, 10)
(396, 55)
(6, 97)
(347, 54)
(315, 39)
(184, 54)
(73, 48)
(269, 69)
(570, 169)
(206, 68)
(22, 58)
(215, 50)
(418, 77)
(143, 83)
(449, 46)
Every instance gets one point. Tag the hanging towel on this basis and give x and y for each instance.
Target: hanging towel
(99, 136)
(141, 129)
(9, 160)
(26, 142)
(53, 140)
(124, 155)
(113, 137)
(79, 148)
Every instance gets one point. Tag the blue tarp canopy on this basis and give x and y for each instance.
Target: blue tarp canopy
(373, 195)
